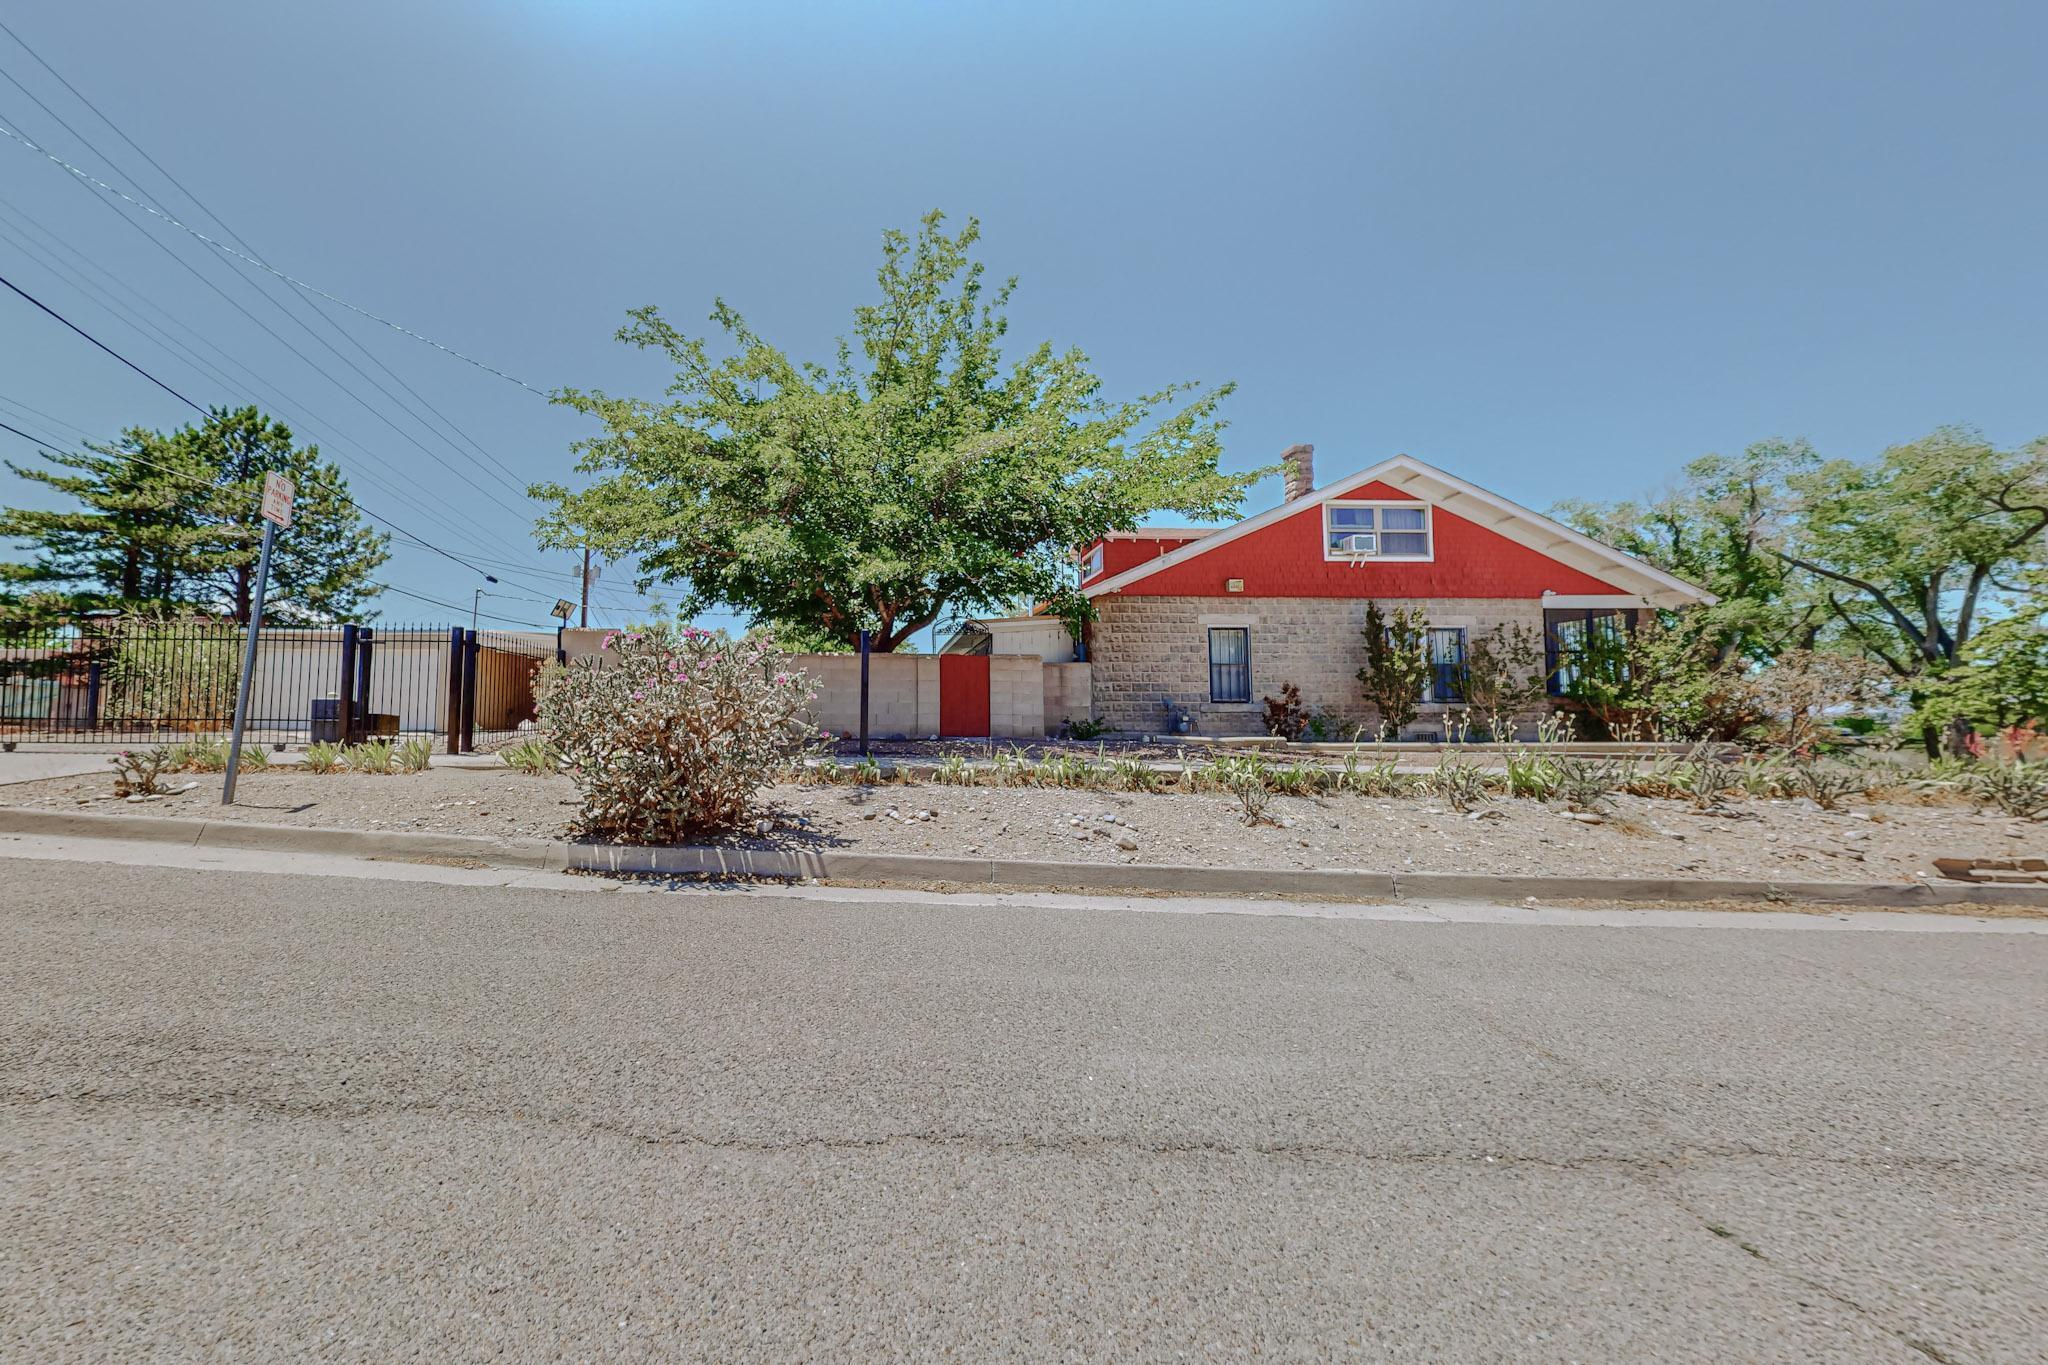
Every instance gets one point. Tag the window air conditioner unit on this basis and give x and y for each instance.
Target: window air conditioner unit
(1360, 543)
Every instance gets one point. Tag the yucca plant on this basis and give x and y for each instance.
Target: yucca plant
(416, 754)
(371, 756)
(953, 771)
(1531, 776)
(1463, 784)
(2017, 789)
(1132, 775)
(1826, 785)
(322, 757)
(1587, 784)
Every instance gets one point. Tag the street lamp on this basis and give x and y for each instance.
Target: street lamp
(477, 601)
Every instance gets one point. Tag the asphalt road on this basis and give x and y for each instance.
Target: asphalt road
(275, 1117)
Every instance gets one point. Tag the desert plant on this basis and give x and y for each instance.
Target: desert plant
(1397, 665)
(1132, 775)
(1285, 715)
(1086, 728)
(171, 672)
(1298, 779)
(1369, 779)
(953, 771)
(1825, 784)
(1531, 776)
(322, 757)
(1709, 781)
(371, 756)
(1464, 785)
(203, 754)
(1244, 776)
(1763, 776)
(1587, 784)
(416, 755)
(139, 772)
(2017, 789)
(677, 734)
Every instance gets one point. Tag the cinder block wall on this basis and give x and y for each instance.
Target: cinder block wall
(1067, 694)
(1151, 648)
(903, 690)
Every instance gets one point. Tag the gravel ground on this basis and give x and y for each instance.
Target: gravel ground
(1779, 839)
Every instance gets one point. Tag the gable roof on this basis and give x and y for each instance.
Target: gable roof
(1426, 483)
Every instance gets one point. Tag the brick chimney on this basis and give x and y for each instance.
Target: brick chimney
(1298, 468)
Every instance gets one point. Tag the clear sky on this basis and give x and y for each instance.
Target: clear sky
(1559, 248)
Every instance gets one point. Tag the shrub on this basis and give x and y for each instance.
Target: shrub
(1132, 775)
(534, 757)
(171, 672)
(1587, 784)
(1086, 728)
(1503, 677)
(2018, 789)
(1244, 777)
(1708, 781)
(1285, 715)
(1532, 776)
(323, 757)
(1396, 665)
(953, 771)
(678, 736)
(371, 756)
(1826, 785)
(1463, 784)
(416, 755)
(139, 772)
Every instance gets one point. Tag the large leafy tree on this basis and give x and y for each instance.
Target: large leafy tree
(169, 520)
(919, 473)
(1908, 550)
(1720, 528)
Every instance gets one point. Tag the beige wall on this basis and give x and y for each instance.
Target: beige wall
(1067, 694)
(903, 690)
(1148, 648)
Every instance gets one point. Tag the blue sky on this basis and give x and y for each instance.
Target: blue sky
(1557, 248)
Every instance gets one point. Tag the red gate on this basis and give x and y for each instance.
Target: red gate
(963, 695)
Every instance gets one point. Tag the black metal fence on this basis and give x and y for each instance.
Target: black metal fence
(133, 680)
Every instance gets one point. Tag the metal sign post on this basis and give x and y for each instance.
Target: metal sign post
(277, 511)
(865, 638)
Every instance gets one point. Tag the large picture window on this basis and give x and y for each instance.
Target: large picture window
(1359, 530)
(1230, 663)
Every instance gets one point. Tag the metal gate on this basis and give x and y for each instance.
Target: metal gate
(963, 696)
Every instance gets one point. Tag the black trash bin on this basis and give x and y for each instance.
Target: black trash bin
(327, 720)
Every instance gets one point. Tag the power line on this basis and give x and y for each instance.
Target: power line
(243, 256)
(268, 330)
(208, 210)
(102, 345)
(252, 379)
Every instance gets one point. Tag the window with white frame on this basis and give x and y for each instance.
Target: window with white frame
(1091, 564)
(1376, 530)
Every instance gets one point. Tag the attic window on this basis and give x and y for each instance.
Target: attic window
(1091, 564)
(1376, 530)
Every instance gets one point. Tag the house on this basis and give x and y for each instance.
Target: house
(1205, 623)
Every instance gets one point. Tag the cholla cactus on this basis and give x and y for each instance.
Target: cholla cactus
(676, 734)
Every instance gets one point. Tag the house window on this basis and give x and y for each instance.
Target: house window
(1446, 665)
(1091, 564)
(1583, 640)
(1362, 530)
(1230, 663)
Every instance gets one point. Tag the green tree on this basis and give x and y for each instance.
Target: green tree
(1397, 665)
(919, 474)
(122, 544)
(2001, 675)
(1909, 549)
(1720, 529)
(323, 565)
(170, 520)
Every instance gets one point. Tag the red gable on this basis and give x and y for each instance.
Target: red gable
(1125, 551)
(1285, 559)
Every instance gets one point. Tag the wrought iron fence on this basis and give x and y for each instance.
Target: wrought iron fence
(145, 680)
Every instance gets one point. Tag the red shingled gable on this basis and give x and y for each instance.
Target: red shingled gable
(1285, 559)
(1128, 552)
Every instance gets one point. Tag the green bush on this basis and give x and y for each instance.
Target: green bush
(534, 757)
(416, 755)
(2018, 789)
(371, 756)
(677, 736)
(323, 757)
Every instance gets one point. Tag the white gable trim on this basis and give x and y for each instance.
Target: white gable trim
(1426, 483)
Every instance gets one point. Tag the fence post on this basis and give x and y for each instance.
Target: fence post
(366, 644)
(345, 706)
(469, 657)
(453, 720)
(92, 695)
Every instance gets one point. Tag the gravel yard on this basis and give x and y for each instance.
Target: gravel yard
(1787, 840)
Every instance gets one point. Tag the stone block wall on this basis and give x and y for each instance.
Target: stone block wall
(1149, 649)
(1068, 695)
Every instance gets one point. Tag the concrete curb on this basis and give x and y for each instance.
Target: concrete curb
(1336, 884)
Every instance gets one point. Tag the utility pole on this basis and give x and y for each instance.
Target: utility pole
(583, 619)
